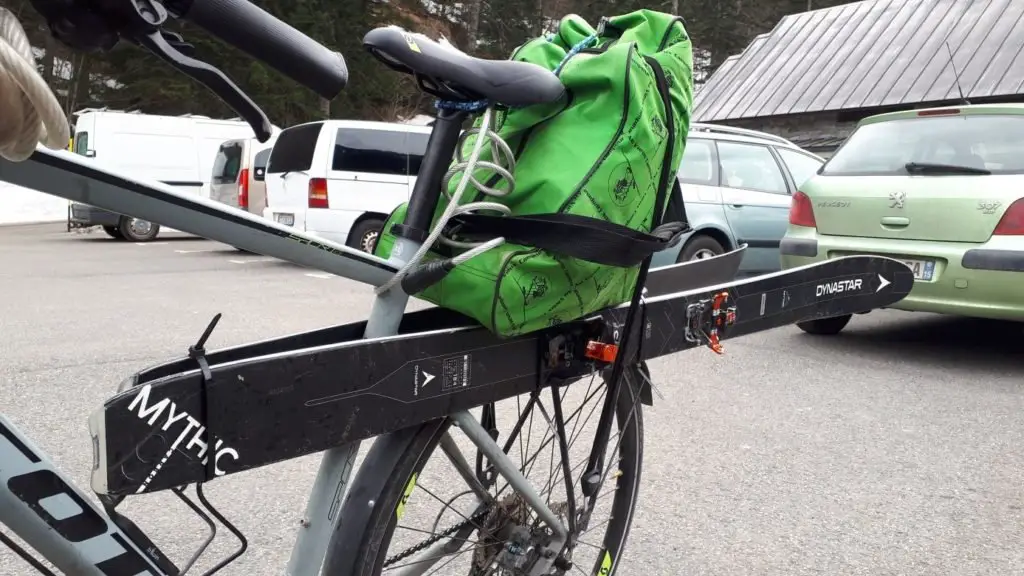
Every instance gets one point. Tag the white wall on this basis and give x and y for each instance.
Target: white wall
(19, 205)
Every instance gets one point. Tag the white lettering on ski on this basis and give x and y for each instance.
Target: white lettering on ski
(140, 405)
(839, 286)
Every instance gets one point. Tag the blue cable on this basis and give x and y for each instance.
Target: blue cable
(474, 106)
(579, 47)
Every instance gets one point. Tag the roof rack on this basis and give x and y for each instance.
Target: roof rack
(106, 109)
(702, 127)
(140, 113)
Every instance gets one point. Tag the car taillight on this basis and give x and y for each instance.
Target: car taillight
(801, 213)
(243, 188)
(1012, 222)
(317, 193)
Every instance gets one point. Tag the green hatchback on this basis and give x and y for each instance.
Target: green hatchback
(941, 189)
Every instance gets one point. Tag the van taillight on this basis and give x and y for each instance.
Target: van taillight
(1012, 222)
(317, 193)
(801, 213)
(243, 188)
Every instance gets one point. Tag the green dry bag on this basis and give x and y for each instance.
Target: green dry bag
(597, 165)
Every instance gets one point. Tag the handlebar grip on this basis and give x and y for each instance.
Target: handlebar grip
(266, 38)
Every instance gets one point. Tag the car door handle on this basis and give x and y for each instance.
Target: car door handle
(737, 205)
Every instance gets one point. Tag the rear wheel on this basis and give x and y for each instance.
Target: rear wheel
(138, 230)
(700, 248)
(364, 235)
(114, 232)
(825, 326)
(410, 505)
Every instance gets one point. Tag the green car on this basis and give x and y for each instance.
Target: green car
(941, 189)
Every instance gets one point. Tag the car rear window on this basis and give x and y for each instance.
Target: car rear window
(294, 148)
(801, 166)
(227, 163)
(699, 164)
(991, 142)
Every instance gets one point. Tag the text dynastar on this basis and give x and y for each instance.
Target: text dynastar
(839, 286)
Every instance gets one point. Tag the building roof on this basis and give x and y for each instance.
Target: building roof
(869, 54)
(817, 142)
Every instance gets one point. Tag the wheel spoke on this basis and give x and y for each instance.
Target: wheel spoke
(476, 531)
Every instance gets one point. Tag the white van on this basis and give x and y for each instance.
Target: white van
(339, 179)
(176, 150)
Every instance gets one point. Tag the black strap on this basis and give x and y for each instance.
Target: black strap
(590, 239)
(676, 209)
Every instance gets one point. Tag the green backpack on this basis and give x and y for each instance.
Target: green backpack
(601, 162)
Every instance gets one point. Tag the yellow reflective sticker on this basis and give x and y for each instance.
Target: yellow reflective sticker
(606, 565)
(412, 43)
(405, 496)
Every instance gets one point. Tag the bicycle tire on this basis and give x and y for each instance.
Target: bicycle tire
(358, 546)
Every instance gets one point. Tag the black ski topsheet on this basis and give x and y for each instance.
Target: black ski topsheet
(694, 274)
(293, 396)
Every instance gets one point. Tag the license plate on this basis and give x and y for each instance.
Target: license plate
(286, 219)
(923, 269)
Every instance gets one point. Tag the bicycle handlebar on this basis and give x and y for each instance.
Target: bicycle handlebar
(266, 38)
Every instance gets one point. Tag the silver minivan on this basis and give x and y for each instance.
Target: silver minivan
(239, 174)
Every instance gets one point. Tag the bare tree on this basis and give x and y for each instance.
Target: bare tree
(472, 23)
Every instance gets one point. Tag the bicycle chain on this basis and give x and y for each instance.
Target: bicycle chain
(429, 541)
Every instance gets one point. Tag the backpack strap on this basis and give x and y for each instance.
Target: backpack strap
(590, 239)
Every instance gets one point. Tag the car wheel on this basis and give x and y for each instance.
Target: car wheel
(364, 235)
(700, 248)
(113, 232)
(138, 230)
(825, 326)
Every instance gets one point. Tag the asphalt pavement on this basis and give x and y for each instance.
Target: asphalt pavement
(893, 448)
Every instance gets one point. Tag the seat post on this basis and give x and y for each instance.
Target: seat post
(436, 159)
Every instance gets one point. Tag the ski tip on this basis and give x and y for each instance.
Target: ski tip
(884, 276)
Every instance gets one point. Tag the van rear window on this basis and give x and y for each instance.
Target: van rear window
(379, 151)
(294, 149)
(260, 161)
(227, 163)
(81, 143)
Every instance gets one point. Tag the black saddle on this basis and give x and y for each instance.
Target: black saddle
(450, 74)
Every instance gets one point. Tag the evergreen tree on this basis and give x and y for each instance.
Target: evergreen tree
(130, 78)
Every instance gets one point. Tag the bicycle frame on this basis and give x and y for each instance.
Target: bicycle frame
(68, 175)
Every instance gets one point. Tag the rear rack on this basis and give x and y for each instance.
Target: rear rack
(718, 128)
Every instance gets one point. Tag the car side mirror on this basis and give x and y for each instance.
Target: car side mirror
(259, 174)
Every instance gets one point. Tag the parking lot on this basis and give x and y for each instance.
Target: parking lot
(894, 448)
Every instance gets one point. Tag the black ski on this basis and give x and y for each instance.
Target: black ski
(201, 417)
(694, 274)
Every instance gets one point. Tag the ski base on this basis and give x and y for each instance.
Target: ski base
(208, 415)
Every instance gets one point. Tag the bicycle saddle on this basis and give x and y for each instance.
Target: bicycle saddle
(450, 74)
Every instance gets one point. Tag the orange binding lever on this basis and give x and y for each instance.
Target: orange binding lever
(601, 352)
(721, 318)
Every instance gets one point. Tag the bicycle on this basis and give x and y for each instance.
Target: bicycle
(189, 420)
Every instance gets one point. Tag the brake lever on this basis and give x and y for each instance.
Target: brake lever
(210, 77)
(178, 43)
(75, 26)
(98, 25)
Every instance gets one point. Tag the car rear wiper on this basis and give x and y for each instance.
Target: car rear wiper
(928, 168)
